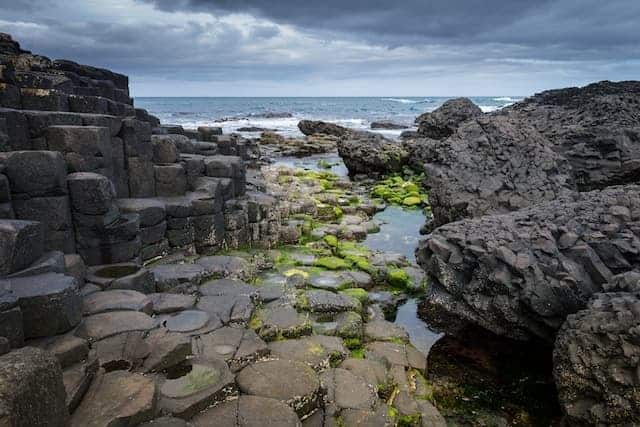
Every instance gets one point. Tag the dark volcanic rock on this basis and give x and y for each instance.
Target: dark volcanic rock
(310, 127)
(520, 274)
(490, 165)
(596, 357)
(444, 121)
(596, 127)
(31, 389)
(387, 125)
(366, 152)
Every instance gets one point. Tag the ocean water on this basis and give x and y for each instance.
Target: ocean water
(356, 113)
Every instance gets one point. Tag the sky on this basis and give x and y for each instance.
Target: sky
(337, 47)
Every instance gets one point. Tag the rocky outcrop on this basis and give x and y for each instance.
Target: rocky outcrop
(370, 153)
(443, 121)
(387, 125)
(520, 274)
(490, 165)
(311, 127)
(596, 357)
(596, 128)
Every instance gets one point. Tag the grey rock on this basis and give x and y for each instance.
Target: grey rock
(35, 173)
(236, 346)
(444, 120)
(367, 153)
(31, 389)
(116, 300)
(249, 411)
(105, 325)
(151, 211)
(21, 244)
(91, 193)
(164, 303)
(325, 301)
(173, 277)
(309, 127)
(317, 351)
(347, 390)
(165, 150)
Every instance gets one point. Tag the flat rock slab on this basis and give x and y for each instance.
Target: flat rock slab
(177, 277)
(317, 351)
(373, 372)
(324, 302)
(117, 398)
(104, 325)
(248, 411)
(291, 382)
(347, 390)
(376, 418)
(185, 321)
(229, 308)
(237, 346)
(349, 325)
(167, 422)
(226, 267)
(397, 354)
(331, 281)
(207, 383)
(164, 303)
(227, 287)
(280, 320)
(382, 330)
(166, 350)
(67, 348)
(125, 351)
(116, 300)
(50, 303)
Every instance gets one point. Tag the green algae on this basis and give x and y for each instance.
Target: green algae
(398, 278)
(332, 263)
(401, 191)
(357, 293)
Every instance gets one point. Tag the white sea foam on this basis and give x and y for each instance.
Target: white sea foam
(403, 100)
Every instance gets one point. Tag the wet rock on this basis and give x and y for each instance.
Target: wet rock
(117, 398)
(118, 300)
(387, 125)
(104, 325)
(50, 303)
(349, 325)
(271, 379)
(519, 275)
(237, 346)
(325, 301)
(164, 303)
(310, 127)
(381, 330)
(31, 389)
(317, 351)
(249, 411)
(331, 281)
(347, 390)
(207, 383)
(128, 276)
(595, 359)
(444, 120)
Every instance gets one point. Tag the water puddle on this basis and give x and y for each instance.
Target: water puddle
(329, 162)
(420, 335)
(399, 232)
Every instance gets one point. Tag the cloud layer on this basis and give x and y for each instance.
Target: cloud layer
(346, 47)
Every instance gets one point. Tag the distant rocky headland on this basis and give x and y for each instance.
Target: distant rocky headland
(161, 276)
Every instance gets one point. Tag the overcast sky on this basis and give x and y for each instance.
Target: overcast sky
(337, 47)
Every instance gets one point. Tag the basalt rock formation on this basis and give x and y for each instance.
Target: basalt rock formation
(597, 354)
(443, 121)
(310, 127)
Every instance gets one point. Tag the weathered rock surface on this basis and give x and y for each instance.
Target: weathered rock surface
(366, 153)
(596, 128)
(31, 389)
(519, 275)
(444, 120)
(491, 165)
(117, 398)
(272, 379)
(596, 357)
(248, 411)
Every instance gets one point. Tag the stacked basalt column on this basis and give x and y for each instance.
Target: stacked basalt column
(33, 187)
(153, 225)
(103, 235)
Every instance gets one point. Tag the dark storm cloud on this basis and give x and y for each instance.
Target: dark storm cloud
(569, 27)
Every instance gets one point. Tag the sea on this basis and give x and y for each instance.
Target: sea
(282, 114)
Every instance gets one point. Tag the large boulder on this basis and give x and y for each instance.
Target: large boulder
(596, 357)
(443, 121)
(596, 127)
(490, 165)
(311, 127)
(520, 274)
(366, 153)
(31, 389)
